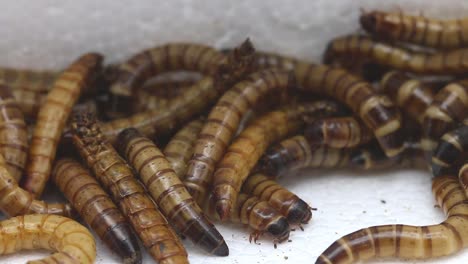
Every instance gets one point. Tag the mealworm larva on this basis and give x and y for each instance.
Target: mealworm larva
(29, 101)
(424, 31)
(338, 132)
(222, 123)
(180, 148)
(405, 241)
(450, 105)
(16, 201)
(259, 215)
(169, 193)
(23, 79)
(192, 102)
(242, 155)
(411, 95)
(377, 111)
(439, 63)
(287, 203)
(128, 193)
(72, 241)
(97, 209)
(296, 153)
(52, 118)
(170, 87)
(450, 149)
(13, 134)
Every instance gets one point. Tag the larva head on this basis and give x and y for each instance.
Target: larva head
(279, 229)
(299, 213)
(272, 162)
(239, 62)
(85, 130)
(329, 57)
(369, 20)
(380, 24)
(125, 137)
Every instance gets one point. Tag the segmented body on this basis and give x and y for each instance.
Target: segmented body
(73, 242)
(287, 203)
(424, 31)
(242, 155)
(222, 124)
(97, 209)
(53, 116)
(128, 193)
(29, 101)
(411, 95)
(179, 149)
(409, 242)
(159, 95)
(13, 134)
(23, 79)
(169, 193)
(439, 63)
(450, 150)
(377, 111)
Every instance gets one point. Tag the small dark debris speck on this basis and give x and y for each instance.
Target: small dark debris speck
(286, 257)
(364, 212)
(383, 201)
(289, 240)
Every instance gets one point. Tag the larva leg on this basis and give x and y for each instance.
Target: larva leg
(52, 118)
(72, 241)
(97, 209)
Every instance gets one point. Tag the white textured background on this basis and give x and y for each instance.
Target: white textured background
(50, 34)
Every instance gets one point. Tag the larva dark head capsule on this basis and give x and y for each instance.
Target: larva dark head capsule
(238, 62)
(383, 25)
(369, 20)
(279, 229)
(300, 212)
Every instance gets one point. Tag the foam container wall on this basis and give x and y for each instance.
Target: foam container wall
(48, 34)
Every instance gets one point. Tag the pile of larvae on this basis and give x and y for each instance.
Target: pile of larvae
(157, 147)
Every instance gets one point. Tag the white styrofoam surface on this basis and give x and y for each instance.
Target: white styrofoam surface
(51, 33)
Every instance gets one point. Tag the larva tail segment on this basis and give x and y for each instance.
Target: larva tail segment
(409, 242)
(97, 209)
(238, 62)
(169, 193)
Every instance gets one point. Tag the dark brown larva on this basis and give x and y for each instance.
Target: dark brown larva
(97, 209)
(179, 149)
(13, 134)
(450, 105)
(424, 31)
(450, 150)
(338, 132)
(128, 193)
(377, 111)
(439, 63)
(53, 116)
(287, 203)
(169, 193)
(411, 95)
(242, 155)
(222, 123)
(409, 242)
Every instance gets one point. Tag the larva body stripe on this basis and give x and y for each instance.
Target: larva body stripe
(411, 95)
(13, 134)
(21, 79)
(451, 147)
(169, 193)
(222, 123)
(242, 155)
(450, 105)
(97, 209)
(179, 149)
(159, 97)
(16, 201)
(424, 31)
(377, 111)
(127, 192)
(29, 102)
(287, 203)
(409, 242)
(52, 118)
(338, 132)
(72, 242)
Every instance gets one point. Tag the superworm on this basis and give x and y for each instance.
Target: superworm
(377, 111)
(24, 79)
(450, 149)
(193, 101)
(127, 192)
(450, 105)
(405, 241)
(439, 63)
(29, 101)
(242, 155)
(169, 192)
(16, 201)
(53, 116)
(259, 215)
(297, 211)
(424, 31)
(96, 208)
(338, 132)
(72, 242)
(13, 134)
(180, 148)
(159, 98)
(222, 124)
